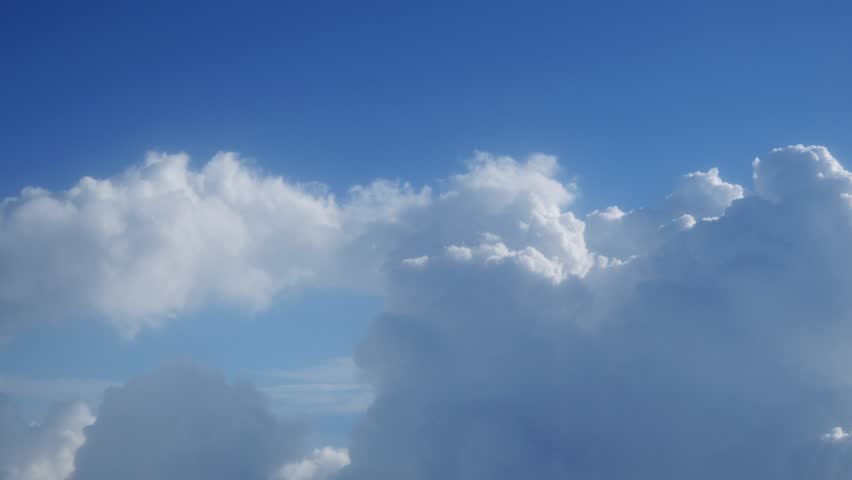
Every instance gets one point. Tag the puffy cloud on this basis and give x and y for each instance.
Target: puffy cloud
(187, 423)
(698, 195)
(502, 210)
(718, 350)
(41, 451)
(782, 177)
(837, 434)
(163, 238)
(321, 465)
(704, 338)
(703, 194)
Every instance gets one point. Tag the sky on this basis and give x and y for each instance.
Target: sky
(383, 240)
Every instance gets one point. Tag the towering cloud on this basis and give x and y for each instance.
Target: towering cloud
(716, 349)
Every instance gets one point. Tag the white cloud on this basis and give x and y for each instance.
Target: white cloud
(713, 353)
(836, 435)
(703, 194)
(416, 262)
(684, 222)
(782, 177)
(531, 344)
(322, 463)
(615, 233)
(43, 451)
(459, 252)
(163, 238)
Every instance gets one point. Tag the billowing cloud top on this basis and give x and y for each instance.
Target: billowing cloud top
(703, 338)
(163, 238)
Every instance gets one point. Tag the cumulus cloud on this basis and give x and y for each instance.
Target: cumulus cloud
(163, 238)
(45, 450)
(177, 422)
(703, 194)
(320, 465)
(715, 349)
(781, 178)
(698, 195)
(706, 337)
(184, 422)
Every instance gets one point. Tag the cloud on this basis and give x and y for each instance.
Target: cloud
(333, 388)
(703, 194)
(705, 337)
(43, 451)
(321, 465)
(698, 195)
(184, 422)
(710, 349)
(781, 178)
(162, 238)
(177, 422)
(416, 262)
(837, 434)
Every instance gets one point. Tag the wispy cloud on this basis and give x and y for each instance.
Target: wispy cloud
(336, 387)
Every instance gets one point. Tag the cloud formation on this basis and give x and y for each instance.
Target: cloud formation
(163, 238)
(706, 338)
(320, 465)
(182, 422)
(42, 451)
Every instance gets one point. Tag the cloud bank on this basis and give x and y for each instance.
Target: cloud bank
(706, 337)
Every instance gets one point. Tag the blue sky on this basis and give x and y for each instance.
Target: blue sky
(628, 96)
(349, 93)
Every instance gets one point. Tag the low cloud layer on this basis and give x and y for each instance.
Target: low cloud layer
(178, 422)
(187, 423)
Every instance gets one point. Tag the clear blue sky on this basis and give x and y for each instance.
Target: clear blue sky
(628, 95)
(345, 92)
